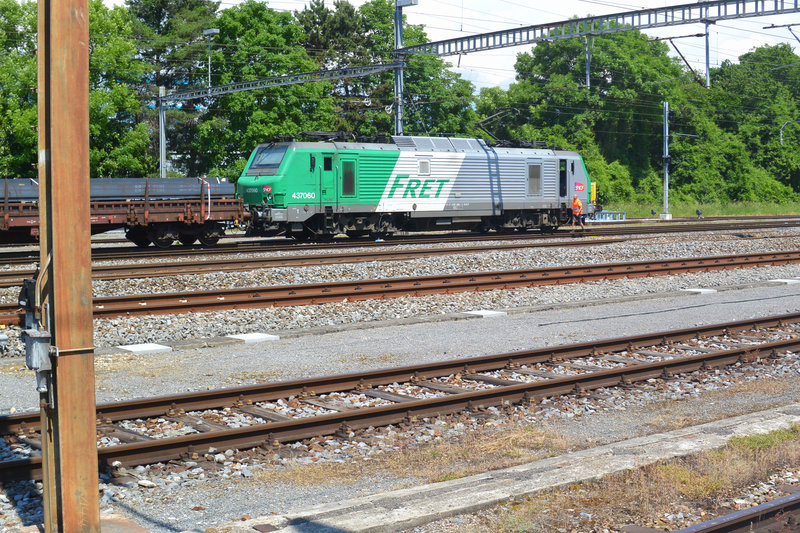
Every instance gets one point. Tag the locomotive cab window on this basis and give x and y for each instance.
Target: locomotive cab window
(327, 164)
(534, 180)
(267, 159)
(348, 178)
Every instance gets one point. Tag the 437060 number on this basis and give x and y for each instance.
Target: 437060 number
(304, 195)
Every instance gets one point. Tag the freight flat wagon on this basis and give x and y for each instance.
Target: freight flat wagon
(151, 210)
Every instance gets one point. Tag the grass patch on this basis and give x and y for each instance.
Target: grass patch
(689, 482)
(698, 487)
(765, 441)
(474, 453)
(439, 461)
(637, 210)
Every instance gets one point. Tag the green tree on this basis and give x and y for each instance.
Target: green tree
(119, 139)
(754, 98)
(170, 40)
(256, 42)
(18, 114)
(436, 100)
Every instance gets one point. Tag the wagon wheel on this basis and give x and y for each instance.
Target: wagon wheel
(209, 239)
(163, 240)
(210, 234)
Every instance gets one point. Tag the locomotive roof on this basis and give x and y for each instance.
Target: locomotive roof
(428, 144)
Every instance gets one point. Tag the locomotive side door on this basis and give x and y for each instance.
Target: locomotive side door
(347, 174)
(563, 181)
(327, 180)
(578, 183)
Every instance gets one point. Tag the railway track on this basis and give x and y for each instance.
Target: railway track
(13, 278)
(264, 245)
(131, 432)
(781, 515)
(313, 294)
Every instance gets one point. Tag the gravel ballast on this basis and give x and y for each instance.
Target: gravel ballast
(354, 336)
(161, 328)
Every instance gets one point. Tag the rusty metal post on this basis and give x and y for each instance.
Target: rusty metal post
(65, 310)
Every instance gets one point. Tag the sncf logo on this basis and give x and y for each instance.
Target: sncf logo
(579, 187)
(417, 188)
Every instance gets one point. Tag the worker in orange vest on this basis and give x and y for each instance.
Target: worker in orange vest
(577, 213)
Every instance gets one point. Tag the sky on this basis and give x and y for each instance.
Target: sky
(446, 19)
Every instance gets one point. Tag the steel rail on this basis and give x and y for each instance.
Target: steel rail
(768, 517)
(264, 245)
(13, 278)
(314, 294)
(272, 433)
(322, 385)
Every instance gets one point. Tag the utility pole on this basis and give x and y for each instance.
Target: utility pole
(708, 22)
(162, 133)
(588, 42)
(59, 344)
(398, 73)
(208, 33)
(708, 61)
(666, 214)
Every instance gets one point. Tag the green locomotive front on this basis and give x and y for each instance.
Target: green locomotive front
(319, 189)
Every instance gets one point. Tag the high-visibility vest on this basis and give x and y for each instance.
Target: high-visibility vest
(577, 207)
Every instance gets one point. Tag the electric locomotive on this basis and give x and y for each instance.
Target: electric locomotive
(315, 190)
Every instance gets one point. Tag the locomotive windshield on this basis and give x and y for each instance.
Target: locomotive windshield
(267, 158)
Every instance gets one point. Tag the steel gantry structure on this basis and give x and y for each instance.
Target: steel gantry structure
(275, 81)
(701, 12)
(587, 28)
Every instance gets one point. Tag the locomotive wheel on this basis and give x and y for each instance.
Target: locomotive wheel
(187, 239)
